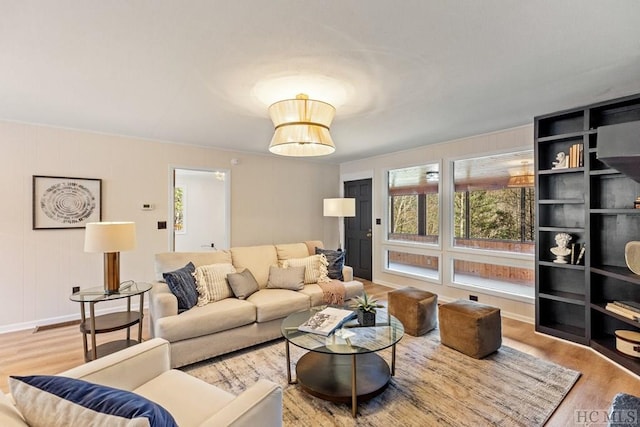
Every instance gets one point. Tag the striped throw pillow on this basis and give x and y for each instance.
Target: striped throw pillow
(315, 268)
(211, 282)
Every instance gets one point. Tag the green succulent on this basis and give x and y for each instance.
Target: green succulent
(365, 303)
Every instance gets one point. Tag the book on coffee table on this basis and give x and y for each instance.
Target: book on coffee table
(326, 321)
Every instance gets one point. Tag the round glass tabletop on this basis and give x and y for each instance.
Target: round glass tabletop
(127, 289)
(350, 339)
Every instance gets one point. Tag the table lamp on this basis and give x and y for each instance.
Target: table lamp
(340, 207)
(110, 238)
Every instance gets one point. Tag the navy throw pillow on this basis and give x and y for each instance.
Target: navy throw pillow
(336, 262)
(53, 401)
(183, 286)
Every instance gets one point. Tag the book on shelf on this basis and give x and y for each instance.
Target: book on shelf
(326, 321)
(621, 311)
(629, 305)
(576, 156)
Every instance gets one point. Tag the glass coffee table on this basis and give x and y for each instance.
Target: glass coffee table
(343, 367)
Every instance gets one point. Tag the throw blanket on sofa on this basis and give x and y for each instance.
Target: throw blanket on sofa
(334, 292)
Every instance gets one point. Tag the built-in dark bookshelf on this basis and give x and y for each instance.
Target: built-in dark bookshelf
(593, 203)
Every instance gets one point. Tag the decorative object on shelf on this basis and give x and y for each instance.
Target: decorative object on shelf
(632, 256)
(301, 127)
(341, 208)
(628, 342)
(61, 203)
(366, 309)
(561, 251)
(636, 203)
(562, 161)
(110, 238)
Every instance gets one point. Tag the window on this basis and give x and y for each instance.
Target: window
(494, 203)
(413, 264)
(512, 280)
(178, 210)
(414, 204)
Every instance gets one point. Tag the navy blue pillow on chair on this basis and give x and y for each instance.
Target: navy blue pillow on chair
(336, 262)
(54, 401)
(183, 286)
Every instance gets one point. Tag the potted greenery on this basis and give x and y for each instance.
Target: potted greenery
(366, 309)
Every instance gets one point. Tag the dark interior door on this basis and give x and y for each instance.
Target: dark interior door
(357, 230)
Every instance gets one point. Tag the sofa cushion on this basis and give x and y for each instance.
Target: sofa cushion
(190, 400)
(51, 401)
(312, 245)
(335, 262)
(315, 294)
(183, 285)
(315, 268)
(277, 303)
(242, 284)
(169, 261)
(214, 317)
(211, 282)
(286, 278)
(291, 250)
(257, 259)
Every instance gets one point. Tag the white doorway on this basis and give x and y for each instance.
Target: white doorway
(200, 218)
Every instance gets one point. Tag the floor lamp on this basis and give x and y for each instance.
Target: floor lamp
(340, 208)
(110, 238)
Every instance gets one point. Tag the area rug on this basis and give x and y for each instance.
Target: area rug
(433, 385)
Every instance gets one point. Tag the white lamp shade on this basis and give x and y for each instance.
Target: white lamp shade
(340, 207)
(110, 237)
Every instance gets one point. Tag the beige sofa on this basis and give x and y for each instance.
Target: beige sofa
(232, 324)
(145, 370)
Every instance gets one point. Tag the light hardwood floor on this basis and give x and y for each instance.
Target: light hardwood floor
(55, 350)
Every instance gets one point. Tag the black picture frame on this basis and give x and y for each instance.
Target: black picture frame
(64, 202)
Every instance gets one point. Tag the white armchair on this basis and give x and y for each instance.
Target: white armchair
(145, 369)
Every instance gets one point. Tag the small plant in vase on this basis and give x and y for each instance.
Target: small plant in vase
(366, 309)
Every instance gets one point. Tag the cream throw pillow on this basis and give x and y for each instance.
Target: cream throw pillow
(211, 282)
(315, 268)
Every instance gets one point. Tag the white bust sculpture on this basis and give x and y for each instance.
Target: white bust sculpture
(562, 250)
(562, 161)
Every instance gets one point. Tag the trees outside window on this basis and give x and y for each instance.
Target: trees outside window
(414, 204)
(488, 212)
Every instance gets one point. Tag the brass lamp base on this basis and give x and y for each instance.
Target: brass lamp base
(111, 273)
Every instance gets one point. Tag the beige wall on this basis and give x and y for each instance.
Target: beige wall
(273, 200)
(520, 138)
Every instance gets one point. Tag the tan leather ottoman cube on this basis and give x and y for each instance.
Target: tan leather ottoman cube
(415, 308)
(470, 327)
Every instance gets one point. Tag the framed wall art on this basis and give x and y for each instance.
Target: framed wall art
(60, 202)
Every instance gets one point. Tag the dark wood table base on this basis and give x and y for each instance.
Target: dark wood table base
(330, 376)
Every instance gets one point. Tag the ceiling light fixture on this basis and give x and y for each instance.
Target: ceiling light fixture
(301, 127)
(526, 179)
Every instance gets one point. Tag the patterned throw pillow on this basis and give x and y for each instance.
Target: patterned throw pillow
(211, 282)
(335, 260)
(286, 278)
(315, 268)
(243, 284)
(183, 285)
(53, 401)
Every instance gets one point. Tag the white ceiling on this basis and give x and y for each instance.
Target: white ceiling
(414, 72)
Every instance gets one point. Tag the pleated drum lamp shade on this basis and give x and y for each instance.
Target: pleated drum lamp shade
(110, 238)
(301, 127)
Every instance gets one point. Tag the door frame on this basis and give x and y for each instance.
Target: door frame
(355, 176)
(227, 190)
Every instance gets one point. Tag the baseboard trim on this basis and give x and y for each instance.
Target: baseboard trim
(56, 325)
